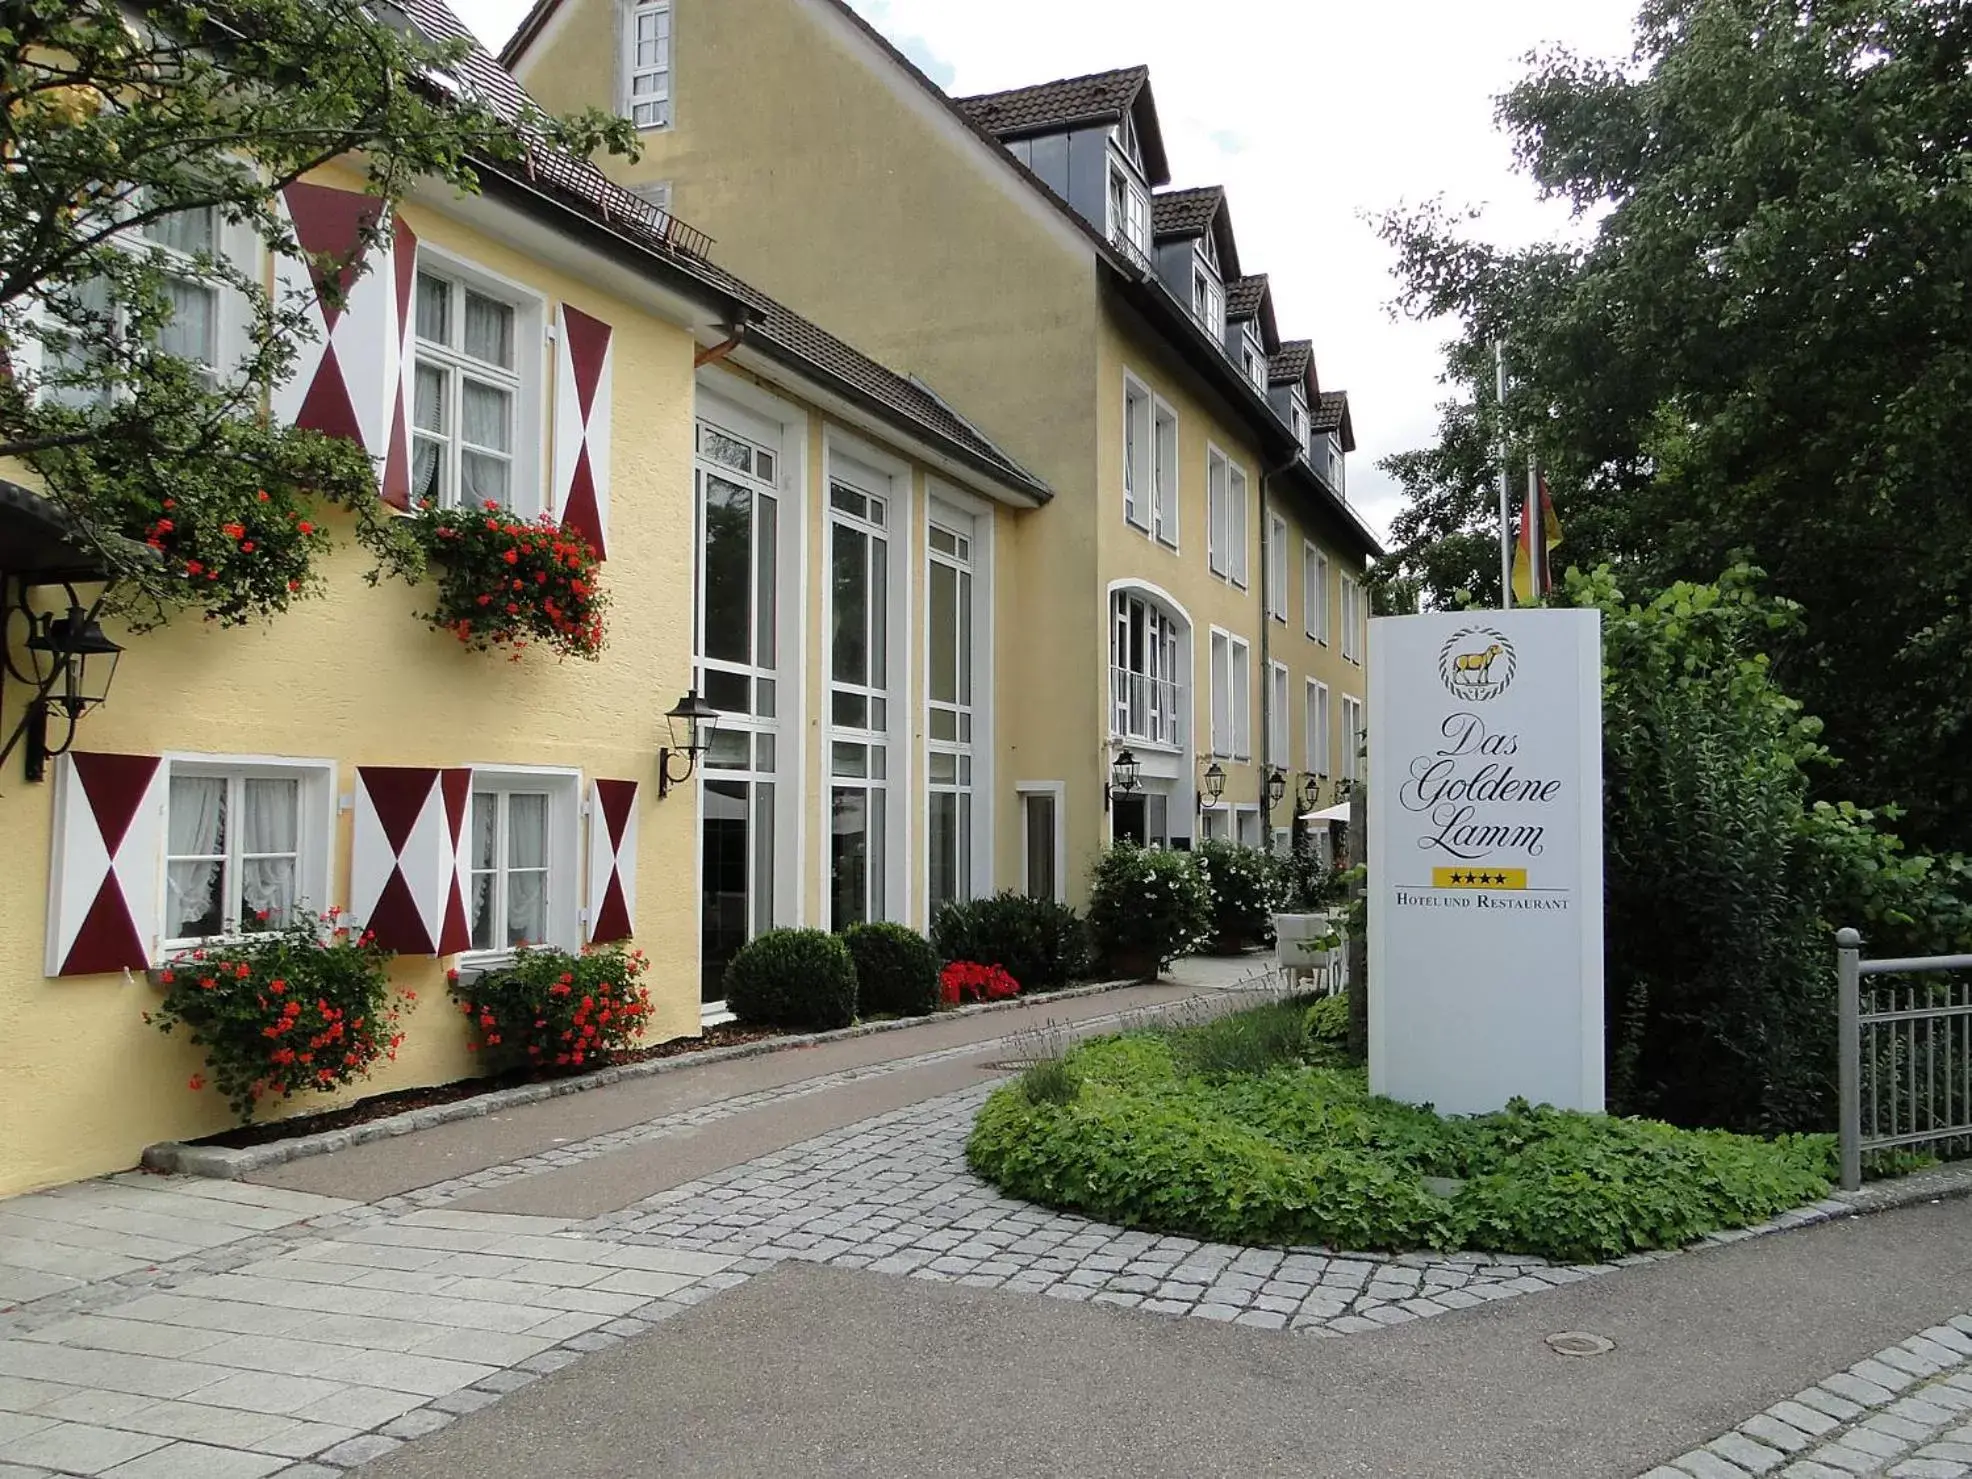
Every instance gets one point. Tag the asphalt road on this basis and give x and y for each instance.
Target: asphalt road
(813, 1373)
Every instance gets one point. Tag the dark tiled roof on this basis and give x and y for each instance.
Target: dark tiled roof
(1292, 363)
(800, 343)
(1185, 212)
(1244, 295)
(1101, 97)
(1332, 412)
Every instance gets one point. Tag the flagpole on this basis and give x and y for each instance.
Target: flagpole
(1506, 482)
(1536, 533)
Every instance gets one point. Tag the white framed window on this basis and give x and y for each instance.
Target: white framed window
(523, 877)
(1278, 728)
(1246, 826)
(1218, 824)
(951, 663)
(1314, 591)
(1208, 299)
(1147, 664)
(859, 527)
(1298, 417)
(1315, 701)
(1254, 352)
(1221, 666)
(657, 192)
(1277, 568)
(1236, 526)
(1352, 737)
(1225, 512)
(246, 844)
(1351, 598)
(1362, 623)
(1129, 210)
(1043, 849)
(476, 397)
(1139, 461)
(1232, 696)
(1166, 443)
(647, 64)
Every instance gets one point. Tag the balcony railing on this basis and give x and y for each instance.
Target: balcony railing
(1119, 237)
(1145, 708)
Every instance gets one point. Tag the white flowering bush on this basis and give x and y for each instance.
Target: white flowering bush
(1246, 885)
(1147, 907)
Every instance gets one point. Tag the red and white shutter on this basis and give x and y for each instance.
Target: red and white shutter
(612, 861)
(350, 380)
(583, 370)
(105, 875)
(405, 883)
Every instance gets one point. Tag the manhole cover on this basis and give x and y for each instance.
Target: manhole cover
(1017, 1065)
(1580, 1343)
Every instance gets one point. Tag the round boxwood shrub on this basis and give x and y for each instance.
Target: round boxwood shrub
(1147, 907)
(793, 978)
(896, 969)
(1042, 944)
(1246, 889)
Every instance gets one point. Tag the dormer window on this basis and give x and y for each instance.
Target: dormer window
(1125, 136)
(1254, 354)
(1298, 418)
(1208, 299)
(1129, 211)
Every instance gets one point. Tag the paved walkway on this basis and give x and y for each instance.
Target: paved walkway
(328, 1314)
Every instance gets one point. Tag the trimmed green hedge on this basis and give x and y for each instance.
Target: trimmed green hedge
(896, 970)
(793, 978)
(1041, 944)
(1297, 1153)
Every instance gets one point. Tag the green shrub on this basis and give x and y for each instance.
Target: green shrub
(1299, 1154)
(793, 978)
(1308, 885)
(1042, 944)
(896, 970)
(1328, 1019)
(1245, 885)
(1050, 1081)
(551, 1009)
(1147, 906)
(1724, 881)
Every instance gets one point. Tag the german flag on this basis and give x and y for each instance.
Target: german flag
(1533, 577)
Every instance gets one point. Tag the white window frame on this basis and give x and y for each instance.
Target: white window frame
(1314, 591)
(1277, 568)
(315, 835)
(1220, 667)
(1056, 791)
(1352, 736)
(946, 511)
(1165, 454)
(1279, 723)
(1298, 417)
(567, 910)
(1242, 698)
(1316, 717)
(526, 484)
(1254, 351)
(1246, 820)
(1208, 297)
(659, 98)
(1225, 514)
(1350, 597)
(1238, 498)
(1132, 227)
(1139, 453)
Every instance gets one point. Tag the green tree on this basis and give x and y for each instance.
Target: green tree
(1763, 347)
(120, 137)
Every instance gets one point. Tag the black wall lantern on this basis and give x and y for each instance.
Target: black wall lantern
(693, 722)
(1276, 787)
(1123, 773)
(1311, 791)
(1212, 786)
(70, 667)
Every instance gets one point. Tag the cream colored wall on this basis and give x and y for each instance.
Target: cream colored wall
(1307, 658)
(355, 677)
(1127, 553)
(842, 189)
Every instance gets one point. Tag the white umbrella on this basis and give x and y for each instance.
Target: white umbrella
(1338, 813)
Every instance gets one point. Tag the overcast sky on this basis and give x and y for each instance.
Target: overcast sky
(1315, 114)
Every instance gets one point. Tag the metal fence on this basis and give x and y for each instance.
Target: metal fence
(1906, 1054)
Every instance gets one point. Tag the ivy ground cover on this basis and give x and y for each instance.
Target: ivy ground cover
(1249, 1130)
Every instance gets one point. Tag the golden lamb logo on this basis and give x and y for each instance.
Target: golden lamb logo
(1477, 663)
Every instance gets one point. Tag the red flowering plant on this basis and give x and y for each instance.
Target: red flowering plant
(965, 980)
(308, 1005)
(241, 555)
(505, 582)
(551, 1009)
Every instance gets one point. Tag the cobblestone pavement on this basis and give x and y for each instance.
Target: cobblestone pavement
(153, 1326)
(1905, 1412)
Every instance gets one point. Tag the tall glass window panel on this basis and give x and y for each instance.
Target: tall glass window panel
(859, 712)
(195, 870)
(949, 719)
(232, 854)
(509, 869)
(1040, 828)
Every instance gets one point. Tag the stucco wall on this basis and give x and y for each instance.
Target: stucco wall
(353, 677)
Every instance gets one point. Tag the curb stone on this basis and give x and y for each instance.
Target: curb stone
(224, 1163)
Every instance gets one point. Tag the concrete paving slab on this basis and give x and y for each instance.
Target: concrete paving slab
(930, 1379)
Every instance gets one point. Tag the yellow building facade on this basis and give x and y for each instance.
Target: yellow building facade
(1013, 251)
(344, 755)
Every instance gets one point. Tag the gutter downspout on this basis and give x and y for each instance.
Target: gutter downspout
(711, 355)
(1268, 760)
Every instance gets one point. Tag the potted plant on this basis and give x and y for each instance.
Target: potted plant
(504, 583)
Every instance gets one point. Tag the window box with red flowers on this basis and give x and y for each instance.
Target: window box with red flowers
(305, 1007)
(505, 583)
(553, 1010)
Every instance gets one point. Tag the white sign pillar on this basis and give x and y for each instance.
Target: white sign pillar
(1485, 859)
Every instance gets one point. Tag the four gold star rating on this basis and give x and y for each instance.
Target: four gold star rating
(1511, 878)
